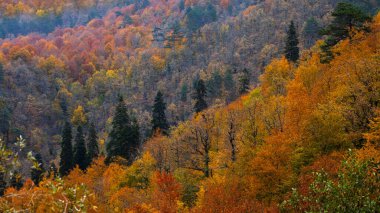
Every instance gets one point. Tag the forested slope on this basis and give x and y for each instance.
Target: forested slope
(306, 139)
(135, 51)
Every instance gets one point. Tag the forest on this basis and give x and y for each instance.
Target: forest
(190, 106)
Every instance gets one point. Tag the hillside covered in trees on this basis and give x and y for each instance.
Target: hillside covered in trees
(190, 106)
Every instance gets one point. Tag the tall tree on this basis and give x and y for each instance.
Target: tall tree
(92, 146)
(159, 121)
(124, 136)
(310, 32)
(244, 82)
(66, 163)
(292, 51)
(229, 86)
(80, 153)
(38, 170)
(199, 96)
(347, 18)
(5, 116)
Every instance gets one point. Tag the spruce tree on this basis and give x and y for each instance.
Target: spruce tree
(92, 146)
(66, 163)
(347, 18)
(124, 136)
(229, 86)
(159, 121)
(80, 153)
(292, 51)
(244, 82)
(37, 172)
(199, 96)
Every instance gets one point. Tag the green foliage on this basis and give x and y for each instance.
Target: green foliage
(197, 16)
(5, 116)
(244, 82)
(356, 190)
(347, 18)
(159, 121)
(214, 84)
(66, 163)
(92, 146)
(199, 96)
(311, 32)
(292, 51)
(80, 153)
(124, 137)
(184, 93)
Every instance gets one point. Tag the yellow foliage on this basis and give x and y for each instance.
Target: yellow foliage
(79, 117)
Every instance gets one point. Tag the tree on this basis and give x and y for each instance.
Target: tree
(292, 51)
(66, 163)
(80, 152)
(199, 96)
(37, 172)
(311, 32)
(244, 82)
(214, 84)
(1, 74)
(347, 18)
(184, 93)
(355, 190)
(92, 146)
(5, 116)
(229, 86)
(124, 136)
(159, 121)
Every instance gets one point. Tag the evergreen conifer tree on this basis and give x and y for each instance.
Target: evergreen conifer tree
(159, 121)
(66, 163)
(244, 82)
(199, 96)
(80, 153)
(124, 136)
(92, 146)
(347, 17)
(292, 51)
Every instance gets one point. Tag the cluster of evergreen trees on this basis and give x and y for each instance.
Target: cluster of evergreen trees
(124, 138)
(79, 155)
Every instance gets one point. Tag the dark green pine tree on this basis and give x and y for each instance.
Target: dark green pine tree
(92, 146)
(3, 184)
(292, 51)
(66, 163)
(229, 86)
(124, 136)
(347, 17)
(38, 170)
(244, 82)
(80, 152)
(199, 96)
(159, 122)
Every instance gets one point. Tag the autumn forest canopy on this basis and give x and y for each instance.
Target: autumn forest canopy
(189, 106)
